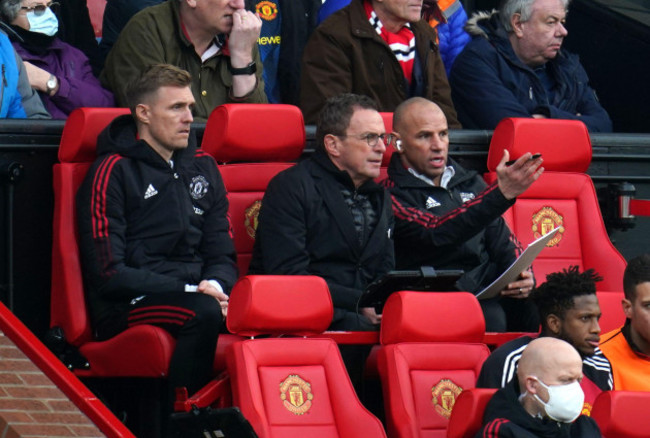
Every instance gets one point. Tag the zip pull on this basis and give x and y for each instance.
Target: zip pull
(4, 78)
(530, 93)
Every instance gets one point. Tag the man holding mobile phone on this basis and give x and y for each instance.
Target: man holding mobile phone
(448, 218)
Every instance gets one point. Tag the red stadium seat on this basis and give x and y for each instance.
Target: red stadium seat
(289, 387)
(467, 416)
(148, 348)
(563, 196)
(431, 351)
(611, 309)
(388, 126)
(622, 414)
(254, 142)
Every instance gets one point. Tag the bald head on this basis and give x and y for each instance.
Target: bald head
(549, 363)
(549, 359)
(410, 107)
(422, 140)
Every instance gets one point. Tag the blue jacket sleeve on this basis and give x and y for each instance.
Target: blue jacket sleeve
(452, 37)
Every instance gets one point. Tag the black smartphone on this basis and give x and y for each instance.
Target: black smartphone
(533, 157)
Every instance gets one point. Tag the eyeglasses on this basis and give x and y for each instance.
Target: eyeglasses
(371, 138)
(39, 9)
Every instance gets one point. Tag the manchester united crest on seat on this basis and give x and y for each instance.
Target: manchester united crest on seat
(444, 396)
(296, 394)
(250, 218)
(545, 221)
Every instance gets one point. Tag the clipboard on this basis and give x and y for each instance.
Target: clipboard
(424, 279)
(521, 264)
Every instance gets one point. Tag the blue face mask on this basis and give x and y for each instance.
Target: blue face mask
(45, 23)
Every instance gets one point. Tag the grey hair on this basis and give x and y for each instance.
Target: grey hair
(9, 10)
(522, 7)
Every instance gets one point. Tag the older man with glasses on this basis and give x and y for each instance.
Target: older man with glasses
(326, 216)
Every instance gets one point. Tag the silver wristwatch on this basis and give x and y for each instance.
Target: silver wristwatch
(51, 84)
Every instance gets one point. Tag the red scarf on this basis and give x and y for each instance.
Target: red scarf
(401, 43)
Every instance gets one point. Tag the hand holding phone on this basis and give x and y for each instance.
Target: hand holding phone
(532, 157)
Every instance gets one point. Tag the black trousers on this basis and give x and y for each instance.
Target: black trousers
(510, 315)
(194, 319)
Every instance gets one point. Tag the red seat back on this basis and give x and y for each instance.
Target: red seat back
(622, 414)
(148, 347)
(611, 308)
(254, 142)
(388, 126)
(467, 417)
(291, 386)
(76, 154)
(428, 358)
(563, 196)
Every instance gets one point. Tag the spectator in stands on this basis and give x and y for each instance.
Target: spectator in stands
(286, 27)
(17, 98)
(76, 29)
(447, 17)
(544, 400)
(326, 216)
(216, 41)
(153, 227)
(11, 106)
(60, 72)
(446, 216)
(628, 348)
(32, 102)
(514, 67)
(568, 309)
(379, 48)
(116, 14)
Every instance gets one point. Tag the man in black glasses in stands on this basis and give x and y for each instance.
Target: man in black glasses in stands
(326, 216)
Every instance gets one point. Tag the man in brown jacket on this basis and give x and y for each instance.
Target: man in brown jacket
(379, 48)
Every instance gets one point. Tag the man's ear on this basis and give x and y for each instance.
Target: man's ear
(531, 385)
(142, 113)
(627, 308)
(396, 141)
(554, 324)
(516, 23)
(332, 145)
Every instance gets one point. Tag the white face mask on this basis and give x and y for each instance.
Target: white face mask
(564, 401)
(45, 23)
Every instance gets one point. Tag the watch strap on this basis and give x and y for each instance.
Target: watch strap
(248, 70)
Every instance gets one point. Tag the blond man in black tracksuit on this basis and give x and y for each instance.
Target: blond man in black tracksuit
(153, 227)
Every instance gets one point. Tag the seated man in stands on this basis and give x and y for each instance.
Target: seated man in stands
(568, 309)
(446, 216)
(544, 400)
(326, 216)
(447, 17)
(153, 227)
(628, 348)
(514, 67)
(217, 44)
(379, 48)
